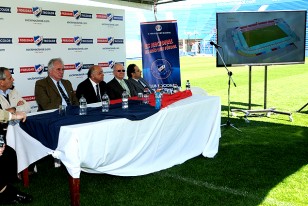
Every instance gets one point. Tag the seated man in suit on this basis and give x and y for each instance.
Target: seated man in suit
(53, 90)
(93, 87)
(134, 77)
(118, 84)
(10, 100)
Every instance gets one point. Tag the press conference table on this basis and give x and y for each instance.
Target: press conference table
(175, 134)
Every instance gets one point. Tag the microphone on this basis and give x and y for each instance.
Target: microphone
(215, 45)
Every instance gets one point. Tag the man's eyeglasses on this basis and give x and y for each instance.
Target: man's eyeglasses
(123, 70)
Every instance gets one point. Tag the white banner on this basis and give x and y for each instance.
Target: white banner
(33, 32)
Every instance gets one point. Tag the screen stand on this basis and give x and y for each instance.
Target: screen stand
(269, 111)
(228, 123)
(302, 107)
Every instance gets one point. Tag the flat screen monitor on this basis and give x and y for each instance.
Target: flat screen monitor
(261, 38)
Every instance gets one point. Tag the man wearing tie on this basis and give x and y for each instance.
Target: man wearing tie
(93, 87)
(118, 84)
(53, 90)
(134, 77)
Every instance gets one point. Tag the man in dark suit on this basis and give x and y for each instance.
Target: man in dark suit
(53, 90)
(118, 84)
(93, 87)
(134, 77)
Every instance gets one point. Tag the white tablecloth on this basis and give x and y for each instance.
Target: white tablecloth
(179, 132)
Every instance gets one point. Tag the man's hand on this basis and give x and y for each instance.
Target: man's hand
(20, 103)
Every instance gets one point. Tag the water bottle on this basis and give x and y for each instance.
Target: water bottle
(146, 93)
(1, 141)
(157, 100)
(105, 103)
(187, 85)
(82, 106)
(175, 88)
(124, 100)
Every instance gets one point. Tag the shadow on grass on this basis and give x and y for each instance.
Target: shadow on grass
(248, 166)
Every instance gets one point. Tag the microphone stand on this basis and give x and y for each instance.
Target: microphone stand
(228, 123)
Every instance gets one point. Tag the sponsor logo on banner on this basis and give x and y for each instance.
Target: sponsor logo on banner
(38, 40)
(77, 15)
(77, 40)
(110, 41)
(110, 17)
(109, 64)
(37, 12)
(5, 9)
(38, 68)
(6, 41)
(79, 66)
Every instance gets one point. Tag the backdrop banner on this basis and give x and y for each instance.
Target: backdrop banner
(33, 32)
(160, 53)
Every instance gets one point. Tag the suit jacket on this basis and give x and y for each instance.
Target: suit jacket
(14, 98)
(115, 90)
(138, 87)
(86, 89)
(47, 95)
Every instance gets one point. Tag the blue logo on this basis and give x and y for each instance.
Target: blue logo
(77, 40)
(39, 68)
(110, 40)
(76, 14)
(79, 66)
(111, 64)
(37, 11)
(38, 40)
(161, 69)
(109, 16)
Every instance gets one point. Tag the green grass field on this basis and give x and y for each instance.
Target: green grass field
(262, 35)
(265, 164)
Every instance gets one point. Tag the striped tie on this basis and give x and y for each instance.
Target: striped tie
(125, 87)
(97, 93)
(63, 94)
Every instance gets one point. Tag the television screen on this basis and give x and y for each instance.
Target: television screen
(261, 38)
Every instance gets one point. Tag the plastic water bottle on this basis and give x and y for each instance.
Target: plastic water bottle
(175, 88)
(124, 100)
(187, 85)
(105, 103)
(157, 100)
(82, 106)
(146, 93)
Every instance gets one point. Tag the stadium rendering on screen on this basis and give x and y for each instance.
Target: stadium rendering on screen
(261, 38)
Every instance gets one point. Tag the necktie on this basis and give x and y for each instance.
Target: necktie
(63, 94)
(97, 93)
(140, 82)
(124, 86)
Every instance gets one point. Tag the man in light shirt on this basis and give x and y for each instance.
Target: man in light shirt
(118, 84)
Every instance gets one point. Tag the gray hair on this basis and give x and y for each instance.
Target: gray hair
(2, 73)
(52, 61)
